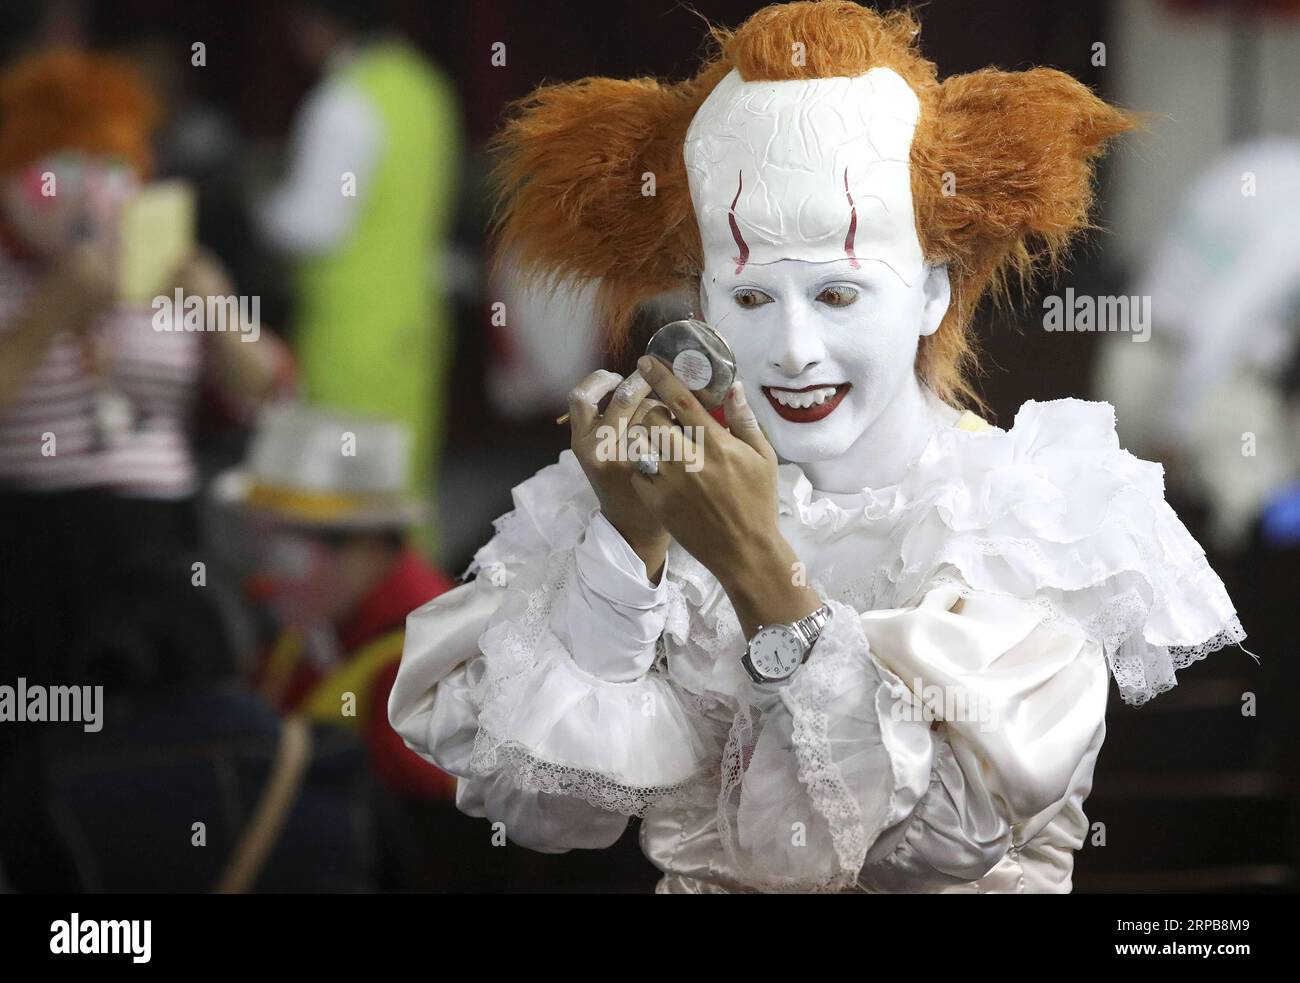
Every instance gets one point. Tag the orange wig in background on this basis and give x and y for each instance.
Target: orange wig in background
(1014, 150)
(71, 100)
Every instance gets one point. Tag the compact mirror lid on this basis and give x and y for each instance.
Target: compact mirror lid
(699, 357)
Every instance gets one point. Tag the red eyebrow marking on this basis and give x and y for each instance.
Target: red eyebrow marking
(743, 258)
(853, 222)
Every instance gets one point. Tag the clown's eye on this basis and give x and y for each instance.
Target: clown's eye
(838, 296)
(749, 298)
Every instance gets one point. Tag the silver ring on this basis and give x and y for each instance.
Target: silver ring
(648, 464)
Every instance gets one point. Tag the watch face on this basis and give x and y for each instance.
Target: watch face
(776, 652)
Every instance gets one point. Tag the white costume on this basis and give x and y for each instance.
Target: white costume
(942, 733)
(1007, 570)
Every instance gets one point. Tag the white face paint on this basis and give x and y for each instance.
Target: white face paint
(813, 269)
(830, 347)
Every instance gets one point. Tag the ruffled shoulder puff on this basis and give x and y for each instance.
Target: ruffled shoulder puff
(552, 511)
(1054, 510)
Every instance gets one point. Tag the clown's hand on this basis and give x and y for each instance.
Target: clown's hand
(598, 440)
(715, 491)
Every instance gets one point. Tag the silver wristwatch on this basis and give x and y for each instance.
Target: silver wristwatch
(776, 651)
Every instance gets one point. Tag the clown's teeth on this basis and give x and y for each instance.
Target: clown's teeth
(802, 400)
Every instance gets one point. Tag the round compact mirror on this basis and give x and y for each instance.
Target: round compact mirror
(699, 358)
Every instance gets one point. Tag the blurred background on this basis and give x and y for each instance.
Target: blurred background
(187, 458)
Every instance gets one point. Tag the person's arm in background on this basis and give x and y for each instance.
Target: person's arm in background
(1222, 331)
(67, 299)
(249, 364)
(338, 132)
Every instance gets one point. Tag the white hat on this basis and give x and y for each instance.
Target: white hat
(313, 466)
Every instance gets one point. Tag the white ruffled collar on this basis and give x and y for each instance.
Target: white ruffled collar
(837, 511)
(1050, 509)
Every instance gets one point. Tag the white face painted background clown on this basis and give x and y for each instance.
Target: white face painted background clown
(65, 197)
(813, 270)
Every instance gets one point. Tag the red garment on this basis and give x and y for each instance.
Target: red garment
(409, 583)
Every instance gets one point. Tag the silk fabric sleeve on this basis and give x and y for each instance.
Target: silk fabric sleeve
(432, 707)
(545, 704)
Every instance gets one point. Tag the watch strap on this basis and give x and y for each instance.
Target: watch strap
(810, 626)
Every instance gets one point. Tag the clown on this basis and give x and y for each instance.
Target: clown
(868, 644)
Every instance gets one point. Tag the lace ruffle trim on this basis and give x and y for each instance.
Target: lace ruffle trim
(525, 770)
(818, 772)
(828, 791)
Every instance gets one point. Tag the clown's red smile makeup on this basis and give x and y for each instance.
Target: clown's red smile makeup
(806, 405)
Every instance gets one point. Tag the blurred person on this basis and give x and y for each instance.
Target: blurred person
(858, 610)
(1204, 394)
(96, 403)
(283, 806)
(543, 340)
(550, 334)
(197, 141)
(1278, 527)
(366, 208)
(324, 496)
(1270, 571)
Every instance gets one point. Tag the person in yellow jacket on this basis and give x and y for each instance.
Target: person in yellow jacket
(365, 210)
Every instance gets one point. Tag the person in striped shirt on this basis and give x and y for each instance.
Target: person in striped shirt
(96, 404)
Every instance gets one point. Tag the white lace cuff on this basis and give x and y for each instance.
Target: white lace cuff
(536, 820)
(612, 569)
(611, 617)
(621, 746)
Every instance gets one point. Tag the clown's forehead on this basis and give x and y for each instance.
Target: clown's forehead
(807, 169)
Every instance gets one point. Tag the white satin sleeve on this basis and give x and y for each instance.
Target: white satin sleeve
(490, 690)
(914, 748)
(434, 708)
(338, 132)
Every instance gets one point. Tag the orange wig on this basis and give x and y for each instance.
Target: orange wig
(70, 100)
(1014, 151)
